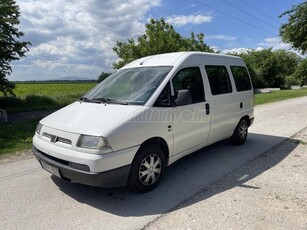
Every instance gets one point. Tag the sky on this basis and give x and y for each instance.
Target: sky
(75, 38)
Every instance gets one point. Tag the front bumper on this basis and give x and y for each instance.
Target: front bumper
(77, 173)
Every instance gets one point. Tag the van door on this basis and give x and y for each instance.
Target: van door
(224, 108)
(191, 120)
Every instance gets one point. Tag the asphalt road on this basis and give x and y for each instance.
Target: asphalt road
(31, 198)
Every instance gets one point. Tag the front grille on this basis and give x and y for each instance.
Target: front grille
(55, 139)
(54, 158)
(82, 167)
(64, 140)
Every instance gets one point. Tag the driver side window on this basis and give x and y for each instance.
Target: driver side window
(190, 81)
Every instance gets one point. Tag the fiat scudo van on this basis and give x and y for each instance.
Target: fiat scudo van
(146, 116)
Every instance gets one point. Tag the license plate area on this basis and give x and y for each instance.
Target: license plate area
(53, 170)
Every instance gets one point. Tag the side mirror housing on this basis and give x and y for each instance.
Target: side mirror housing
(184, 97)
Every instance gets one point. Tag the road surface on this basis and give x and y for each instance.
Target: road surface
(31, 198)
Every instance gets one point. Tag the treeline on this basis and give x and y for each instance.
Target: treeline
(275, 68)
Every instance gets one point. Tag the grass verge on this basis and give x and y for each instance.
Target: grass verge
(279, 95)
(16, 137)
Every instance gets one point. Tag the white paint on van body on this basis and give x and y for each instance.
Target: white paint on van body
(126, 127)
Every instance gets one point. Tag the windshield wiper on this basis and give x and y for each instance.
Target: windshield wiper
(103, 100)
(85, 99)
(111, 101)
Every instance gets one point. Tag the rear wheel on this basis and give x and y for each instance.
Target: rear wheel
(240, 134)
(147, 168)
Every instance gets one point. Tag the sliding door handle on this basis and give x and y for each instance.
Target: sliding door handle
(207, 108)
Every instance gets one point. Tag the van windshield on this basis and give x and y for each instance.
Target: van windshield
(129, 86)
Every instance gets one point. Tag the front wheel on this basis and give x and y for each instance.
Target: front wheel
(240, 134)
(147, 169)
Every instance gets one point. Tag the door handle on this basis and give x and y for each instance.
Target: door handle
(207, 108)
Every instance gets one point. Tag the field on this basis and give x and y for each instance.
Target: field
(44, 96)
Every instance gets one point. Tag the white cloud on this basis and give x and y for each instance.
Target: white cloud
(240, 50)
(182, 20)
(220, 37)
(274, 42)
(75, 38)
(236, 50)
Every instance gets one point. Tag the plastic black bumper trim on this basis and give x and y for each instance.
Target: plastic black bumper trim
(109, 179)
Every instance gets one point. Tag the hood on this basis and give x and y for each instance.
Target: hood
(88, 118)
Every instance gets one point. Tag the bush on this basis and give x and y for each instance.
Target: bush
(37, 100)
(292, 80)
(30, 103)
(301, 72)
(10, 101)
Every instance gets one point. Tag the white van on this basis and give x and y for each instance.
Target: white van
(146, 116)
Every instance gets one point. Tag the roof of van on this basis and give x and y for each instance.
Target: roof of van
(170, 59)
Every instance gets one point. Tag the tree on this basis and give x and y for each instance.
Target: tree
(11, 48)
(103, 76)
(301, 72)
(270, 68)
(295, 30)
(160, 37)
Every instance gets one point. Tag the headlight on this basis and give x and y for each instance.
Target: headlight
(38, 128)
(93, 142)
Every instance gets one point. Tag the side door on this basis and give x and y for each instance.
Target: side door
(223, 102)
(191, 117)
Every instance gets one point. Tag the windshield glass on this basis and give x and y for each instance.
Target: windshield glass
(132, 86)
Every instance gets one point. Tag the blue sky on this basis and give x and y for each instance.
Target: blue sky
(75, 38)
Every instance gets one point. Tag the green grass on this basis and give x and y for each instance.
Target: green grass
(279, 95)
(16, 137)
(53, 90)
(44, 96)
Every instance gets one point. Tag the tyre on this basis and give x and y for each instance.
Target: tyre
(147, 168)
(240, 134)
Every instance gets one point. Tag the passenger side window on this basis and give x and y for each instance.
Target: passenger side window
(190, 80)
(218, 79)
(241, 78)
(164, 99)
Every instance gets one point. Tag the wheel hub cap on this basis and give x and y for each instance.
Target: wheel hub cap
(150, 169)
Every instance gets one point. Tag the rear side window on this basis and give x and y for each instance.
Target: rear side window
(241, 78)
(218, 79)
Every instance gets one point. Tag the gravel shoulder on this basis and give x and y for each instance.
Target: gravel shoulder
(269, 192)
(18, 156)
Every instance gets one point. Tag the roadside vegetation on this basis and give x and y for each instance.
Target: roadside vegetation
(44, 96)
(279, 95)
(16, 137)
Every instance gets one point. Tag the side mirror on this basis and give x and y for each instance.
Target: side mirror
(184, 97)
